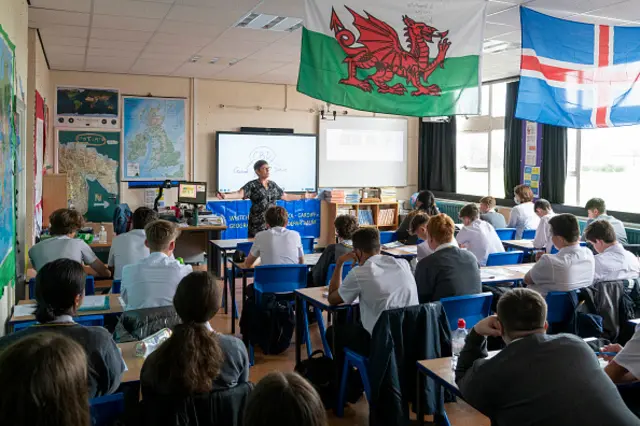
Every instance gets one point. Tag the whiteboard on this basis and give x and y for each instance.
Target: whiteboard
(292, 157)
(362, 151)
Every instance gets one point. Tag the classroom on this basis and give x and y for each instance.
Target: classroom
(319, 213)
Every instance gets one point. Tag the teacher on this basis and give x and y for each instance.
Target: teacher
(263, 194)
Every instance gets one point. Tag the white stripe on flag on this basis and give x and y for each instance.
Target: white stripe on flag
(555, 62)
(596, 61)
(610, 65)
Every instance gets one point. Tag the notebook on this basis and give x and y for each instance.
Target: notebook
(94, 303)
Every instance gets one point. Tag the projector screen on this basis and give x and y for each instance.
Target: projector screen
(363, 151)
(292, 158)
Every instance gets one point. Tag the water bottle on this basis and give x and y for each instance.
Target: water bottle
(457, 342)
(102, 236)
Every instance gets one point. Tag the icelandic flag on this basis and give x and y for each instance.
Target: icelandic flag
(578, 75)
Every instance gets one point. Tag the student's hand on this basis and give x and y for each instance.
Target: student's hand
(464, 246)
(610, 348)
(489, 326)
(349, 257)
(539, 255)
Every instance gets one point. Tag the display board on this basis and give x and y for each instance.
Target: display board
(91, 160)
(362, 151)
(87, 107)
(292, 158)
(153, 139)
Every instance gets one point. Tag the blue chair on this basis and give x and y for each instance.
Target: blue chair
(528, 234)
(554, 250)
(116, 287)
(559, 306)
(387, 237)
(86, 320)
(361, 364)
(506, 233)
(308, 244)
(89, 287)
(346, 268)
(105, 410)
(471, 308)
(506, 258)
(244, 247)
(22, 325)
(280, 279)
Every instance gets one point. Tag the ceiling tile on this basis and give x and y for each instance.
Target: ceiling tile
(237, 49)
(135, 9)
(629, 10)
(291, 8)
(130, 46)
(509, 17)
(512, 37)
(45, 17)
(237, 4)
(170, 50)
(120, 35)
(249, 66)
(498, 6)
(278, 52)
(64, 31)
(570, 7)
(493, 30)
(66, 67)
(591, 19)
(294, 38)
(248, 34)
(174, 56)
(177, 27)
(154, 66)
(125, 23)
(62, 59)
(112, 52)
(180, 40)
(212, 16)
(65, 41)
(102, 62)
(52, 49)
(70, 5)
(199, 70)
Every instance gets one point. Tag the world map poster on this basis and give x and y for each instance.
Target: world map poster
(154, 142)
(7, 163)
(91, 160)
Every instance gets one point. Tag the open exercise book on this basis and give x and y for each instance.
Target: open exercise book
(94, 303)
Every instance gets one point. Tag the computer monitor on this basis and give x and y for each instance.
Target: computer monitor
(192, 193)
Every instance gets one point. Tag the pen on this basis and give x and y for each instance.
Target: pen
(606, 353)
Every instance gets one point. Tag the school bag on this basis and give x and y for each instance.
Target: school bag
(122, 219)
(269, 324)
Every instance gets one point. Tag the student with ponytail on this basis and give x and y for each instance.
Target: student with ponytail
(59, 293)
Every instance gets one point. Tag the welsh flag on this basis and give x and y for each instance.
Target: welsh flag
(419, 58)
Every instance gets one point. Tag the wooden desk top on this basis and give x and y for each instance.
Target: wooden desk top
(134, 363)
(403, 251)
(495, 274)
(309, 260)
(317, 295)
(232, 244)
(95, 245)
(441, 367)
(114, 308)
(191, 228)
(521, 244)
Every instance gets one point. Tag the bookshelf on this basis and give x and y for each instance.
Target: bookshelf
(383, 216)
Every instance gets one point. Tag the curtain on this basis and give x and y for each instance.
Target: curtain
(512, 142)
(437, 156)
(554, 163)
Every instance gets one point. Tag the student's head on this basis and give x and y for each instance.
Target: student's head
(487, 204)
(346, 225)
(469, 213)
(521, 312)
(523, 194)
(191, 358)
(366, 243)
(276, 216)
(595, 207)
(284, 399)
(601, 235)
(59, 289)
(426, 202)
(65, 222)
(161, 236)
(44, 379)
(262, 169)
(143, 216)
(418, 225)
(440, 229)
(542, 207)
(565, 230)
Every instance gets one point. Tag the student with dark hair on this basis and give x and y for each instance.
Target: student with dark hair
(129, 248)
(478, 236)
(63, 244)
(613, 262)
(542, 239)
(195, 359)
(59, 293)
(277, 245)
(449, 271)
(489, 214)
(597, 210)
(425, 203)
(345, 225)
(547, 380)
(523, 215)
(569, 269)
(419, 228)
(284, 399)
(44, 382)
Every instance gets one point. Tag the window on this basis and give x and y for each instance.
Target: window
(603, 163)
(480, 146)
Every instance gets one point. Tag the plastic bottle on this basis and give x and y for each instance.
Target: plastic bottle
(102, 236)
(457, 342)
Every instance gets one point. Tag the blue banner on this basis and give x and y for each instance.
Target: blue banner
(304, 216)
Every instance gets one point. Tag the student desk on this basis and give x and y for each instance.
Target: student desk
(309, 259)
(525, 245)
(193, 242)
(134, 363)
(403, 252)
(492, 275)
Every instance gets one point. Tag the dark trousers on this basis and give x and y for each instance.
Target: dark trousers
(354, 337)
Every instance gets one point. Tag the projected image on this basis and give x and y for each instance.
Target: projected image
(262, 153)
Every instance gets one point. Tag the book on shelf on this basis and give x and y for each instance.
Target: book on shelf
(386, 217)
(365, 217)
(388, 195)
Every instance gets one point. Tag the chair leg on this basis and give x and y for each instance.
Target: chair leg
(252, 359)
(343, 389)
(323, 335)
(306, 329)
(364, 375)
(235, 306)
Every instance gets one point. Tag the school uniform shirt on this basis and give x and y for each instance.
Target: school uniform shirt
(127, 249)
(543, 234)
(278, 246)
(616, 263)
(61, 247)
(495, 219)
(152, 282)
(424, 250)
(570, 269)
(481, 239)
(523, 216)
(382, 283)
(618, 226)
(629, 356)
(329, 255)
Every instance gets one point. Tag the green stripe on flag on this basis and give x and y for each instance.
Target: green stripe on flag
(322, 67)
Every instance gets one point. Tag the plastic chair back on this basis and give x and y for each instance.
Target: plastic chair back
(245, 247)
(90, 320)
(279, 278)
(559, 306)
(106, 410)
(507, 258)
(506, 233)
(89, 287)
(554, 250)
(346, 268)
(387, 237)
(528, 234)
(116, 287)
(308, 244)
(472, 308)
(22, 325)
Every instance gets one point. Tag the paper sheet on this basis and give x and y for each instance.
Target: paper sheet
(494, 275)
(312, 259)
(522, 269)
(93, 302)
(122, 302)
(409, 249)
(23, 310)
(394, 244)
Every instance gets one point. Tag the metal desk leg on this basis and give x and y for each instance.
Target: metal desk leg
(244, 301)
(419, 413)
(232, 288)
(298, 332)
(225, 285)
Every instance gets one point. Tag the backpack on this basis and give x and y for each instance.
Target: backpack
(122, 218)
(269, 325)
(319, 370)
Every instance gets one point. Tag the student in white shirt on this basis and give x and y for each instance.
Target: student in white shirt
(523, 215)
(478, 236)
(624, 367)
(63, 244)
(129, 247)
(613, 262)
(569, 269)
(419, 227)
(277, 245)
(597, 210)
(152, 282)
(542, 239)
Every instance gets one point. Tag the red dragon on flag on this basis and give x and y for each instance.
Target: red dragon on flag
(379, 47)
